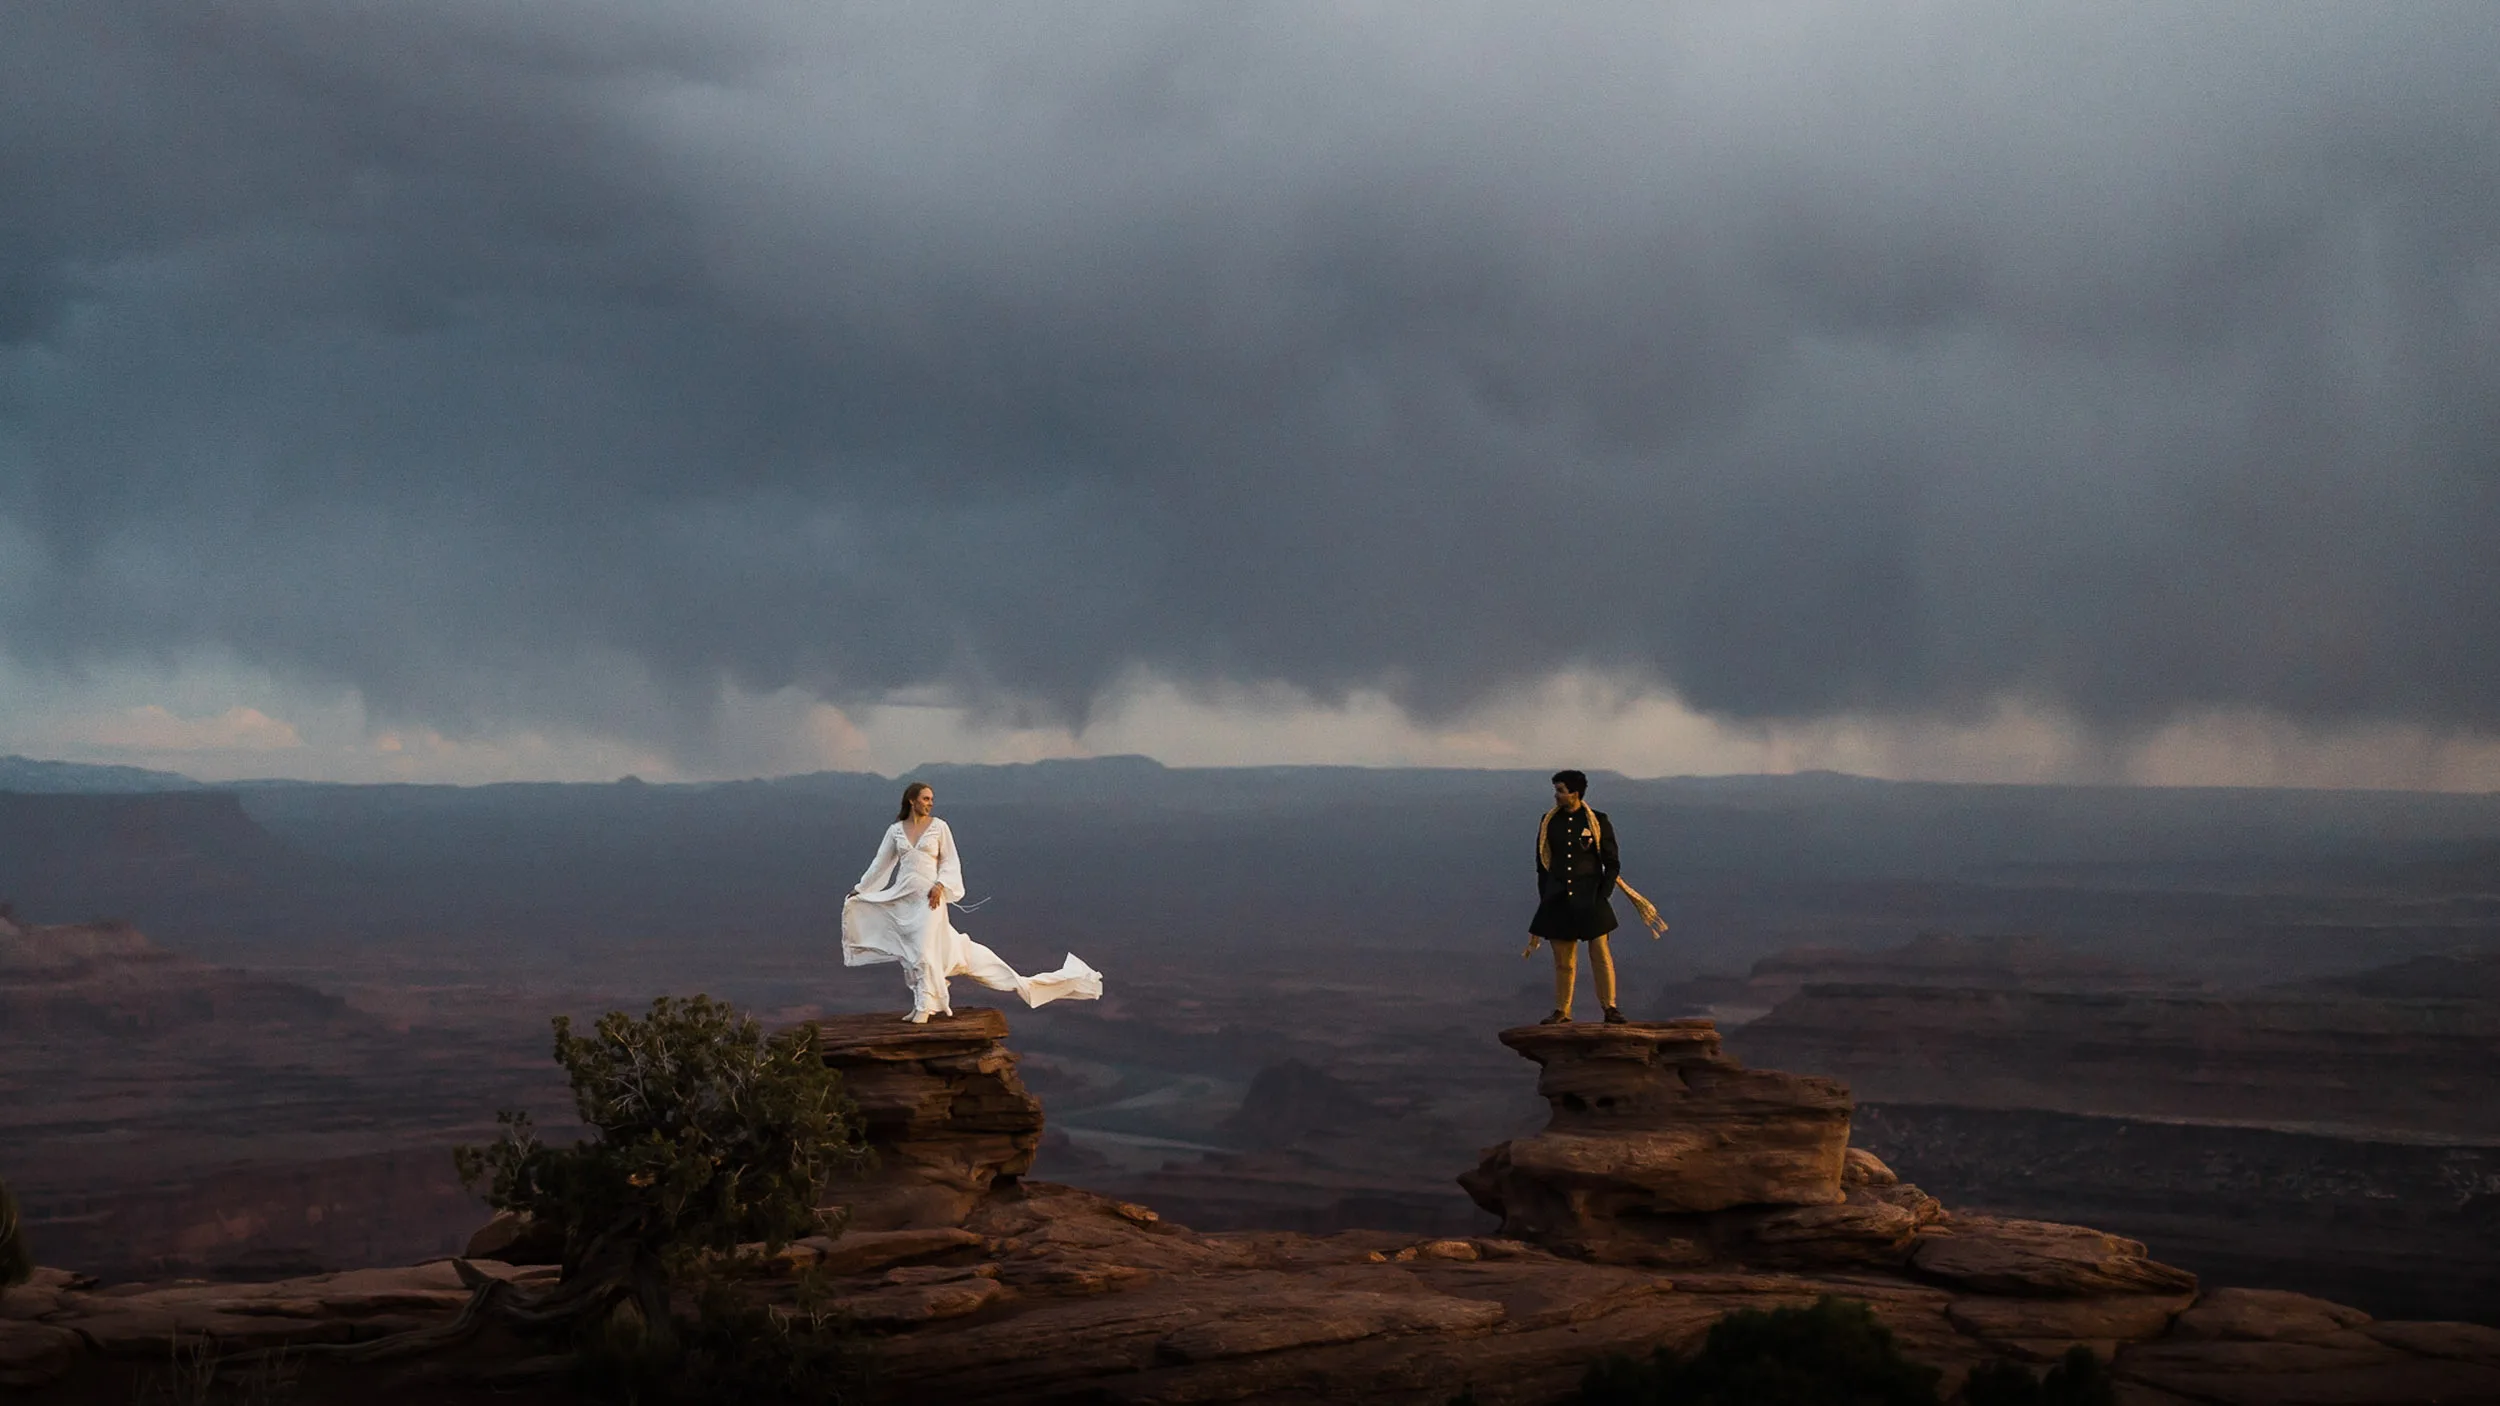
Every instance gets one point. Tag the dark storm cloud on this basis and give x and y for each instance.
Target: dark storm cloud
(516, 360)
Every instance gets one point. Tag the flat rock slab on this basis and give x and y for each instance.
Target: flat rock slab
(865, 1251)
(1546, 1294)
(2113, 1319)
(890, 1037)
(1643, 1041)
(2266, 1315)
(1276, 1320)
(902, 1306)
(2040, 1258)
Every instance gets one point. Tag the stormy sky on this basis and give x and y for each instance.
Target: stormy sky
(707, 386)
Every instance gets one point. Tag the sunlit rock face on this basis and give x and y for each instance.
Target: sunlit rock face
(943, 1108)
(1654, 1123)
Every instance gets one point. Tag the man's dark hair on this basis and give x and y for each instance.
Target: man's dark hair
(1577, 782)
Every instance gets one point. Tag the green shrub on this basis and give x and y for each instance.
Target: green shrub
(1832, 1354)
(2080, 1379)
(705, 1134)
(17, 1263)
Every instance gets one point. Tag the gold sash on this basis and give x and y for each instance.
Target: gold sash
(1545, 860)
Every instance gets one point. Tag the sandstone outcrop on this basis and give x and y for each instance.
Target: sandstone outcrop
(1038, 1293)
(1656, 1119)
(1049, 1294)
(1663, 1150)
(943, 1108)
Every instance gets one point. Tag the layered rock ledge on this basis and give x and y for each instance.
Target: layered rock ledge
(942, 1105)
(1044, 1294)
(1663, 1150)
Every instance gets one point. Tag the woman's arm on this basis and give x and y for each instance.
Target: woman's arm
(883, 861)
(950, 879)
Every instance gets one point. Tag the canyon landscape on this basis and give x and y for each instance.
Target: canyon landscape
(2254, 1035)
(1669, 1186)
(1992, 503)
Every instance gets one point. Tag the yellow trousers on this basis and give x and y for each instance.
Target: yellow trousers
(1566, 968)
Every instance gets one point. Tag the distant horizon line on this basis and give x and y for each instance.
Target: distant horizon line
(103, 770)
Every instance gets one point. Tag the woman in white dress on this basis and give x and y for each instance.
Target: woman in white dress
(898, 913)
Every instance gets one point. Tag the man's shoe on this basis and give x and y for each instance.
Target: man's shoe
(1557, 1018)
(1614, 1016)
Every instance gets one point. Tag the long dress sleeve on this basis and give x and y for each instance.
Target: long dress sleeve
(950, 875)
(874, 879)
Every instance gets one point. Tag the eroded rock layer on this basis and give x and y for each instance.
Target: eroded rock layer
(1037, 1293)
(1048, 1295)
(1653, 1125)
(943, 1108)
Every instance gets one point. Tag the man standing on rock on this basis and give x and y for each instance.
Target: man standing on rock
(1577, 872)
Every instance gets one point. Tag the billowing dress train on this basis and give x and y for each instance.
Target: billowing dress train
(889, 920)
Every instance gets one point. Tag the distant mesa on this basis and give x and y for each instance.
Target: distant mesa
(109, 978)
(35, 777)
(78, 854)
(1291, 1099)
(2452, 976)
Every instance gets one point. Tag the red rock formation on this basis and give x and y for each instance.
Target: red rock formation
(943, 1108)
(1044, 1294)
(1652, 1126)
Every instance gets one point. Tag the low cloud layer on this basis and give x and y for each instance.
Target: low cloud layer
(576, 366)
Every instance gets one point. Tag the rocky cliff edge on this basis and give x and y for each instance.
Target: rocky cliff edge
(1670, 1187)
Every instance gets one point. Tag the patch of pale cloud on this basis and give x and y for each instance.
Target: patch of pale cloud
(423, 754)
(2253, 749)
(151, 728)
(170, 719)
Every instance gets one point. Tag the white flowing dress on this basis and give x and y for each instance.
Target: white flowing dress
(889, 920)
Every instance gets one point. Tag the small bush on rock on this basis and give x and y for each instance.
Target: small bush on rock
(1833, 1354)
(2079, 1379)
(706, 1134)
